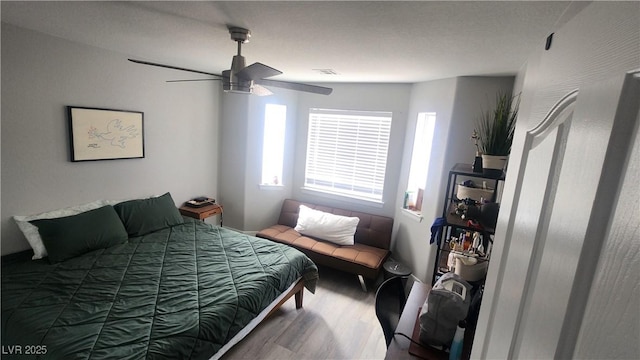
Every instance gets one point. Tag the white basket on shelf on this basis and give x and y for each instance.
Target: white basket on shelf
(470, 268)
(477, 194)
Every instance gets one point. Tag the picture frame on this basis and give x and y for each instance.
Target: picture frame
(105, 134)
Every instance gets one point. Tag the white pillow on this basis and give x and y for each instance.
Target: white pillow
(335, 228)
(31, 231)
(114, 202)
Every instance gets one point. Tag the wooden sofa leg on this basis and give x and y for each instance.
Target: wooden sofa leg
(362, 283)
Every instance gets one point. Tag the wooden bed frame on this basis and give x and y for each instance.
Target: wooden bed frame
(297, 290)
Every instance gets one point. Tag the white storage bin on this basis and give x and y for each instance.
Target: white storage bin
(473, 272)
(476, 194)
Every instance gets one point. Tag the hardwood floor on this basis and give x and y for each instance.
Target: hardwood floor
(337, 322)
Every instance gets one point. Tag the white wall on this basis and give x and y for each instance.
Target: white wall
(457, 104)
(411, 237)
(263, 204)
(473, 96)
(41, 75)
(234, 122)
(247, 205)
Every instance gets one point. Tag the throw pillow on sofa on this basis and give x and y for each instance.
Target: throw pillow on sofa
(330, 227)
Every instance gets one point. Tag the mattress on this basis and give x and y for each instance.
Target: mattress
(180, 292)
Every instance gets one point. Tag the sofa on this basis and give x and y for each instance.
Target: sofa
(372, 240)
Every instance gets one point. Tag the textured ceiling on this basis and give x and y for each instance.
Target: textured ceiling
(384, 41)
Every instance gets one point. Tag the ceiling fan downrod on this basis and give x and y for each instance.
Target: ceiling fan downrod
(231, 82)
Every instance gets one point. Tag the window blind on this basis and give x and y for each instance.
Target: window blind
(347, 152)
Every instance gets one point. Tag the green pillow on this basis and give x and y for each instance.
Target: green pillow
(144, 216)
(70, 236)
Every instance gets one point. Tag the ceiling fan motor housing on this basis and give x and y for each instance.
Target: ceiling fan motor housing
(233, 83)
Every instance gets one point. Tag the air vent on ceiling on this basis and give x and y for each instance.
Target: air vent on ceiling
(326, 71)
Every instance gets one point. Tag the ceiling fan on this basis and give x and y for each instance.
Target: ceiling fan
(246, 79)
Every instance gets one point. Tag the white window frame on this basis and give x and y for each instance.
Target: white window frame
(347, 153)
(420, 158)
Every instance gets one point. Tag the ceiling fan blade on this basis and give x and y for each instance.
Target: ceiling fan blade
(173, 67)
(260, 90)
(295, 86)
(257, 71)
(185, 80)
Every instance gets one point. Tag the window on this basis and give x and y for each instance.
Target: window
(275, 118)
(420, 157)
(347, 152)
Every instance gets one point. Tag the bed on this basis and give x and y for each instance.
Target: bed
(189, 290)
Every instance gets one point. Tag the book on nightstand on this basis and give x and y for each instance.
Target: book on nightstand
(200, 202)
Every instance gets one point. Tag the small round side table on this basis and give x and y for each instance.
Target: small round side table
(394, 268)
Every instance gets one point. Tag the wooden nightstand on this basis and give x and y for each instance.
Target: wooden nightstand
(202, 213)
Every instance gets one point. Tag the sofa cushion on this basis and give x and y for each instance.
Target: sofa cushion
(360, 254)
(372, 230)
(365, 257)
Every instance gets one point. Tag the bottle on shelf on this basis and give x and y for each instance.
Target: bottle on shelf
(455, 352)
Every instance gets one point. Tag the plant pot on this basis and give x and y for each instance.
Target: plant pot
(493, 165)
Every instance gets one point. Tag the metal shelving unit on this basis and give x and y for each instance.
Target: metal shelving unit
(454, 223)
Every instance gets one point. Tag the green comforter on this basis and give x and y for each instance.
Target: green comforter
(177, 293)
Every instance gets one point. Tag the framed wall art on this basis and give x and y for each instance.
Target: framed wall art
(105, 134)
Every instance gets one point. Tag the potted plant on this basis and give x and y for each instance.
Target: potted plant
(495, 130)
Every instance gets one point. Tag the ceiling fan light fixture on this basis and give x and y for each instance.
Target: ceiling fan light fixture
(237, 88)
(234, 85)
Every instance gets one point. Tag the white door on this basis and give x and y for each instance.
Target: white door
(575, 132)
